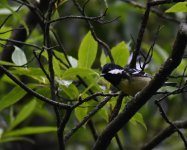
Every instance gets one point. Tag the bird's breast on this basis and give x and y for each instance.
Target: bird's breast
(133, 85)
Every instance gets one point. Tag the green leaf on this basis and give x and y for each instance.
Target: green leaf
(12, 97)
(35, 73)
(6, 63)
(138, 118)
(81, 111)
(87, 51)
(18, 57)
(4, 34)
(13, 139)
(120, 54)
(73, 72)
(93, 82)
(29, 131)
(71, 91)
(24, 113)
(178, 7)
(15, 15)
(103, 58)
(104, 114)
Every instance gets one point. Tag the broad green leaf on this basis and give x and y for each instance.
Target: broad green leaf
(87, 51)
(6, 63)
(93, 83)
(45, 91)
(24, 113)
(29, 131)
(35, 73)
(18, 57)
(138, 118)
(103, 59)
(81, 111)
(73, 72)
(12, 97)
(60, 56)
(57, 62)
(120, 54)
(71, 91)
(56, 67)
(178, 7)
(4, 34)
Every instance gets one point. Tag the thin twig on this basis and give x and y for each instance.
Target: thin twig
(167, 132)
(93, 96)
(86, 118)
(100, 42)
(164, 116)
(140, 36)
(20, 42)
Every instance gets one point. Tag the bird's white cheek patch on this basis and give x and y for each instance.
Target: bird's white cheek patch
(116, 71)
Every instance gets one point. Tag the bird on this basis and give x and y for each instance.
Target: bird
(129, 80)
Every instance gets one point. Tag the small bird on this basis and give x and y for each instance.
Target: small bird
(128, 80)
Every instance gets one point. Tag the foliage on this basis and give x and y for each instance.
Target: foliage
(78, 53)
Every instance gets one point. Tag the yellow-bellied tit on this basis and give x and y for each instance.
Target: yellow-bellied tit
(128, 80)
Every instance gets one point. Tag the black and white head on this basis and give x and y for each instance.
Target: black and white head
(113, 73)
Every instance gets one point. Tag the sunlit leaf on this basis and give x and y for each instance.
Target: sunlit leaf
(13, 139)
(103, 59)
(73, 72)
(24, 113)
(81, 111)
(71, 91)
(87, 51)
(6, 63)
(12, 97)
(178, 7)
(35, 73)
(120, 54)
(29, 131)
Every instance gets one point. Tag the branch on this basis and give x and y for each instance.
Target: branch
(86, 118)
(30, 91)
(149, 5)
(164, 116)
(140, 36)
(153, 10)
(167, 132)
(100, 42)
(31, 21)
(141, 98)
